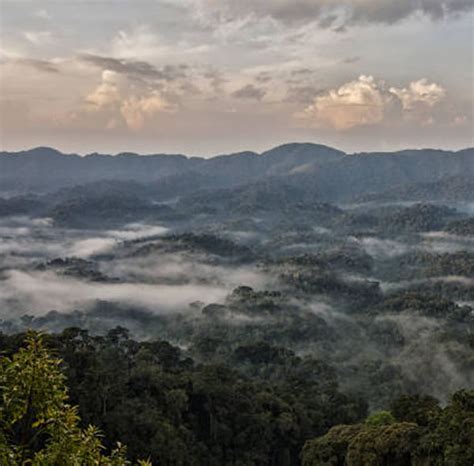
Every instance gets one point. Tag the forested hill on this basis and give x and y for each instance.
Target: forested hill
(337, 174)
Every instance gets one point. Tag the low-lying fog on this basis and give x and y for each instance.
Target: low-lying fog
(160, 283)
(397, 306)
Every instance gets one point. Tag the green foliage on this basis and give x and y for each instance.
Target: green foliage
(330, 449)
(422, 410)
(452, 440)
(37, 425)
(393, 444)
(442, 437)
(380, 418)
(155, 400)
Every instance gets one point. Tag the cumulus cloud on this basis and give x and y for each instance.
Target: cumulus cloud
(120, 98)
(135, 110)
(419, 92)
(366, 101)
(359, 102)
(107, 92)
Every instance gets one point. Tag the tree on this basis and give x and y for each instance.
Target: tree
(452, 441)
(422, 410)
(380, 418)
(443, 436)
(37, 425)
(330, 449)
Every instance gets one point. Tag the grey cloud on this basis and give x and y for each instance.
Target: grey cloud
(301, 94)
(249, 92)
(327, 21)
(302, 72)
(330, 13)
(216, 80)
(40, 65)
(137, 69)
(390, 12)
(350, 60)
(263, 77)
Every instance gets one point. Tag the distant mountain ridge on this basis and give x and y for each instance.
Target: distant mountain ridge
(332, 174)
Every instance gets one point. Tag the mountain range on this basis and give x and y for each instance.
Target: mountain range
(321, 171)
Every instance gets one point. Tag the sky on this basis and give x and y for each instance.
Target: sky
(204, 77)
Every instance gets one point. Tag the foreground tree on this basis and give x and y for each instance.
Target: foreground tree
(37, 425)
(417, 433)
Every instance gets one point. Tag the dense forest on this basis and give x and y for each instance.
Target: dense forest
(170, 409)
(251, 309)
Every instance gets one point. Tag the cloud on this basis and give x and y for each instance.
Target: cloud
(302, 72)
(263, 77)
(387, 11)
(359, 102)
(38, 37)
(249, 91)
(216, 80)
(135, 110)
(43, 14)
(39, 65)
(366, 101)
(144, 43)
(419, 92)
(107, 92)
(139, 69)
(328, 13)
(121, 99)
(160, 281)
(180, 268)
(383, 248)
(91, 246)
(301, 94)
(350, 60)
(442, 370)
(40, 292)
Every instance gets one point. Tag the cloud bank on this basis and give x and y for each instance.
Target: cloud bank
(366, 101)
(330, 12)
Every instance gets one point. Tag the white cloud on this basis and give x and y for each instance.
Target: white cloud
(143, 43)
(38, 37)
(366, 101)
(419, 92)
(135, 110)
(122, 98)
(139, 43)
(43, 14)
(108, 91)
(40, 292)
(359, 102)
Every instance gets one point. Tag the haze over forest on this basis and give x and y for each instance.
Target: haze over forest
(185, 283)
(352, 274)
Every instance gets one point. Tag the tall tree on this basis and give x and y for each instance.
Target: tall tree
(37, 424)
